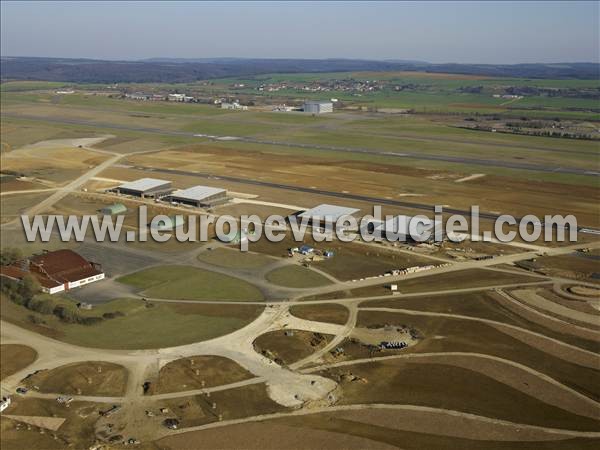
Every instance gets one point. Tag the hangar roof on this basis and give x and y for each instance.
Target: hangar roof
(144, 184)
(325, 210)
(198, 192)
(400, 224)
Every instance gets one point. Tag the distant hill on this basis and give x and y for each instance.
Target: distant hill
(176, 70)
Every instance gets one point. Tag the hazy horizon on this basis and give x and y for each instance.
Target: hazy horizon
(435, 32)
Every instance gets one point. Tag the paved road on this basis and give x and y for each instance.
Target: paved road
(369, 151)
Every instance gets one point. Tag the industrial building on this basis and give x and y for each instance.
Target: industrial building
(115, 208)
(329, 212)
(398, 229)
(199, 196)
(317, 107)
(56, 271)
(145, 187)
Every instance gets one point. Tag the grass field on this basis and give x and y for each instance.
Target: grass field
(444, 386)
(14, 357)
(460, 335)
(296, 277)
(288, 346)
(360, 430)
(225, 257)
(330, 313)
(14, 205)
(142, 326)
(231, 404)
(485, 305)
(455, 280)
(189, 283)
(198, 372)
(88, 378)
(77, 430)
(578, 266)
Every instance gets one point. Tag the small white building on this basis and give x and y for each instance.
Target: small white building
(234, 105)
(179, 98)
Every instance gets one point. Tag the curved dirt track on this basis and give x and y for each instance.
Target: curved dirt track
(546, 344)
(448, 412)
(507, 372)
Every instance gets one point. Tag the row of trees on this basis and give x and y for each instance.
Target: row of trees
(25, 293)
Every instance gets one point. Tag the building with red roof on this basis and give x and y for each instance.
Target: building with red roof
(56, 271)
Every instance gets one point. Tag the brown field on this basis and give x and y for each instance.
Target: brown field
(88, 378)
(445, 386)
(432, 283)
(289, 349)
(545, 304)
(55, 164)
(13, 439)
(19, 185)
(355, 349)
(556, 294)
(491, 193)
(271, 435)
(577, 266)
(393, 428)
(13, 206)
(442, 334)
(330, 313)
(77, 430)
(456, 280)
(488, 305)
(367, 430)
(180, 375)
(15, 357)
(230, 404)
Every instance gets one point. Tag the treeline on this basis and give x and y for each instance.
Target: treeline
(25, 293)
(586, 93)
(186, 71)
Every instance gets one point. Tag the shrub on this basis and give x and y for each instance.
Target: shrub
(89, 320)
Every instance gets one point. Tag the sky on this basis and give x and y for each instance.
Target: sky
(463, 32)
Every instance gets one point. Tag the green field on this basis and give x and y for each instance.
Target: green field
(142, 326)
(225, 257)
(189, 283)
(296, 277)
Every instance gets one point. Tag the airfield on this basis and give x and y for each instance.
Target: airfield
(264, 350)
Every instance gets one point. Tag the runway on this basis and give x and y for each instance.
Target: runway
(355, 150)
